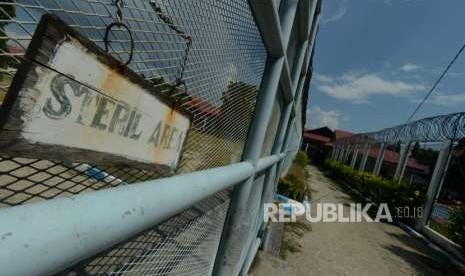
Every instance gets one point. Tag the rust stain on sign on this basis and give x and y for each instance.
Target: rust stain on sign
(112, 83)
(67, 102)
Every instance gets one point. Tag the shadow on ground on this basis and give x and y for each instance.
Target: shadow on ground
(429, 262)
(422, 263)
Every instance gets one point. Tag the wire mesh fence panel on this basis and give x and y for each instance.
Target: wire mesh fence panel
(298, 119)
(272, 128)
(27, 180)
(207, 56)
(294, 140)
(184, 245)
(293, 146)
(209, 65)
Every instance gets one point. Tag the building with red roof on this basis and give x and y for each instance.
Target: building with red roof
(319, 142)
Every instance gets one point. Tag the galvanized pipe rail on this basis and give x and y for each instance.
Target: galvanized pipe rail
(55, 234)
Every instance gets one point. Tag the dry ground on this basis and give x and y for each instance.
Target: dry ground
(354, 248)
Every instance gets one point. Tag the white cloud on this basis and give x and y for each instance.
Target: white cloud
(340, 11)
(316, 117)
(322, 78)
(358, 87)
(445, 99)
(410, 67)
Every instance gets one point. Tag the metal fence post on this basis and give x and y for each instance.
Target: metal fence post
(379, 159)
(232, 248)
(234, 244)
(436, 180)
(281, 139)
(239, 241)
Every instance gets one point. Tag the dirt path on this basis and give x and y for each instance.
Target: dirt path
(358, 248)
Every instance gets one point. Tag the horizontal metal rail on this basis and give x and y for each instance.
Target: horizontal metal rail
(55, 234)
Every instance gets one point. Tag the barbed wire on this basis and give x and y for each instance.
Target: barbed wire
(431, 129)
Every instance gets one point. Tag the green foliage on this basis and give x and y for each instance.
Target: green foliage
(293, 184)
(456, 226)
(379, 190)
(301, 159)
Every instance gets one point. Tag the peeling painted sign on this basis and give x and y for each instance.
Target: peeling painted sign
(72, 101)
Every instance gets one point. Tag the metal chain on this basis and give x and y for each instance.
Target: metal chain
(119, 23)
(167, 20)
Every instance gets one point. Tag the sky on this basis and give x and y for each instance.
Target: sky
(375, 60)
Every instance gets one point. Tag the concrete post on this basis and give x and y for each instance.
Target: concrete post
(337, 150)
(404, 154)
(379, 159)
(366, 153)
(341, 152)
(354, 157)
(334, 152)
(436, 181)
(346, 154)
(404, 158)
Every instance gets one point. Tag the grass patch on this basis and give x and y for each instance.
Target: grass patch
(293, 232)
(294, 184)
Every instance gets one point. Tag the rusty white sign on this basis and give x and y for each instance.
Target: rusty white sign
(71, 101)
